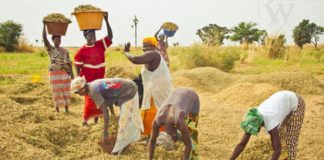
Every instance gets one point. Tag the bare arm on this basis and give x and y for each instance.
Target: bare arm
(157, 33)
(109, 30)
(155, 133)
(240, 147)
(70, 66)
(142, 59)
(166, 43)
(47, 44)
(275, 141)
(105, 113)
(183, 128)
(78, 69)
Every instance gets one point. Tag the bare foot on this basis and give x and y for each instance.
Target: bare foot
(66, 109)
(57, 109)
(95, 120)
(85, 124)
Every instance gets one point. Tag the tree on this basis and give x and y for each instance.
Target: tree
(316, 31)
(302, 33)
(10, 32)
(213, 34)
(247, 33)
(306, 32)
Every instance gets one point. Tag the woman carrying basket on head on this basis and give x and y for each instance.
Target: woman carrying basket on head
(60, 71)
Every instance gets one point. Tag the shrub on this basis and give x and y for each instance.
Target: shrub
(204, 56)
(275, 46)
(24, 46)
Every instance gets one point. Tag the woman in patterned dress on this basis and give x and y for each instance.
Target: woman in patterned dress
(282, 116)
(60, 71)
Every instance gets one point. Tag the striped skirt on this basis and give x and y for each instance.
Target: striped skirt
(290, 130)
(60, 83)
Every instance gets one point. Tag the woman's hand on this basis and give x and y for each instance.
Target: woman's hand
(106, 140)
(127, 47)
(106, 16)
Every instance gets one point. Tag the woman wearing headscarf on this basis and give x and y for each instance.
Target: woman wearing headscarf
(156, 80)
(60, 71)
(90, 63)
(119, 92)
(282, 116)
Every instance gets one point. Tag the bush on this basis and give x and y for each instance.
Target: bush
(2, 49)
(42, 53)
(204, 56)
(10, 32)
(275, 46)
(24, 46)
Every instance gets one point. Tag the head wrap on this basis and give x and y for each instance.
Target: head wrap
(165, 140)
(78, 83)
(151, 40)
(252, 122)
(85, 32)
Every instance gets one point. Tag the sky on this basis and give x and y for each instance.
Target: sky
(275, 16)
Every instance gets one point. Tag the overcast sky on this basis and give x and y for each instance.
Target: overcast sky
(276, 16)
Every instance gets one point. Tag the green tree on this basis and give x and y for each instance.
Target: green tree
(247, 33)
(302, 33)
(10, 32)
(316, 31)
(263, 37)
(213, 34)
(306, 32)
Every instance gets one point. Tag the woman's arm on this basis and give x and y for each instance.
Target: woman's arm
(183, 128)
(275, 141)
(105, 113)
(70, 65)
(157, 33)
(142, 59)
(109, 30)
(155, 133)
(47, 44)
(240, 147)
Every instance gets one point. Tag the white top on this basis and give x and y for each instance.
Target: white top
(157, 84)
(277, 107)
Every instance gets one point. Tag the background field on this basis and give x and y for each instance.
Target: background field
(229, 80)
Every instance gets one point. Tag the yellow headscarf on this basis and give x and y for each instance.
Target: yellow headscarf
(151, 40)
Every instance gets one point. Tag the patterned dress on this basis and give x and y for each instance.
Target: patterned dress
(290, 130)
(60, 72)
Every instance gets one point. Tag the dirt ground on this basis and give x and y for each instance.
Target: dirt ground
(30, 128)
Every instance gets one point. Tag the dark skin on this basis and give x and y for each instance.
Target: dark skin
(275, 142)
(166, 118)
(57, 42)
(162, 38)
(104, 109)
(150, 58)
(91, 37)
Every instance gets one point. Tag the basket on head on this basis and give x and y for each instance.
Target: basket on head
(169, 29)
(57, 28)
(56, 23)
(89, 19)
